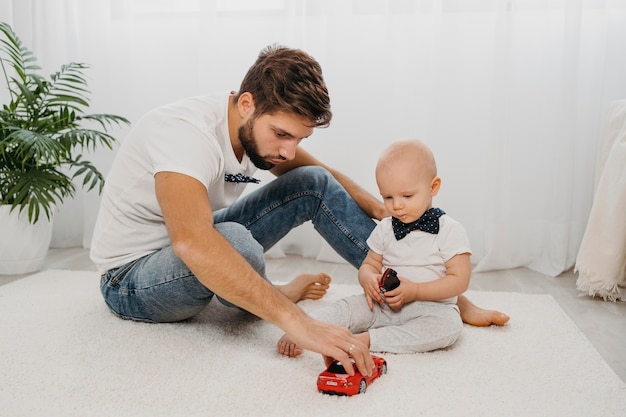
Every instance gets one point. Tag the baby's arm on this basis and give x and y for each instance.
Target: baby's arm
(454, 283)
(369, 273)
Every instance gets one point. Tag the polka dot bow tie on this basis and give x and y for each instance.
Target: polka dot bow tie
(429, 222)
(240, 178)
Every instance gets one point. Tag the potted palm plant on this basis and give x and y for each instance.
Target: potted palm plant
(44, 130)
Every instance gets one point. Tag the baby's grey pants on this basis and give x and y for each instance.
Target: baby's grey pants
(420, 326)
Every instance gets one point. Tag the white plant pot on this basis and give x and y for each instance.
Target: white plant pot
(23, 246)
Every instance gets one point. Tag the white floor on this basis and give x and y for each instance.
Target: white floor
(604, 323)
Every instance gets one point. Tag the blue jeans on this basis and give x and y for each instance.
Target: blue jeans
(160, 288)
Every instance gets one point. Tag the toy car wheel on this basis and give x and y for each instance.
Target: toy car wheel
(362, 387)
(384, 369)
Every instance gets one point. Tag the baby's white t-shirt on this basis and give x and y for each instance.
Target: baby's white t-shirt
(420, 256)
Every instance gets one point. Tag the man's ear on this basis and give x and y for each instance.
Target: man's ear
(434, 186)
(245, 105)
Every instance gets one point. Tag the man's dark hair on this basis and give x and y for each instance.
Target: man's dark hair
(288, 80)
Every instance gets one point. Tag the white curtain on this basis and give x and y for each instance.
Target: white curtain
(510, 95)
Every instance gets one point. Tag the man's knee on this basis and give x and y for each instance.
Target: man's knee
(315, 176)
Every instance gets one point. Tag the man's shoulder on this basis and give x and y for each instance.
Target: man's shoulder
(195, 104)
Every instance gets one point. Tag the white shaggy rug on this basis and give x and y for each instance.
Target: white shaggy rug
(62, 353)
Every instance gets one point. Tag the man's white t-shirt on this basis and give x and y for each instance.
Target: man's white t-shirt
(188, 137)
(420, 256)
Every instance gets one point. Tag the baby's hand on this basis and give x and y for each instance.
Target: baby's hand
(371, 289)
(397, 297)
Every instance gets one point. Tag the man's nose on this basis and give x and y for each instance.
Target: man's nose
(288, 150)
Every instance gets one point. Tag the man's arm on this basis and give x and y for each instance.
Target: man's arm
(189, 220)
(368, 203)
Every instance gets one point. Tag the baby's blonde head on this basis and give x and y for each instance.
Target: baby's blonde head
(410, 157)
(407, 179)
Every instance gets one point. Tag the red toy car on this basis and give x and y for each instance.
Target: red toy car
(334, 379)
(389, 281)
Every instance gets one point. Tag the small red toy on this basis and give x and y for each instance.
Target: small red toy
(389, 280)
(334, 379)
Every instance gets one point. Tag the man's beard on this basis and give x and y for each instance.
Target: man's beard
(246, 137)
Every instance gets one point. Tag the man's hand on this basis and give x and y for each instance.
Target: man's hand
(333, 342)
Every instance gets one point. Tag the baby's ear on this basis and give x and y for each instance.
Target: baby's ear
(434, 186)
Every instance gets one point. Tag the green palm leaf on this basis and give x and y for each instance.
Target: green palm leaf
(41, 131)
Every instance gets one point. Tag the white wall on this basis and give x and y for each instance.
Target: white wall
(510, 94)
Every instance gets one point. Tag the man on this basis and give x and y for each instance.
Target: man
(172, 231)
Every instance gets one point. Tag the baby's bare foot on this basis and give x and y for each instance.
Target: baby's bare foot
(485, 318)
(288, 348)
(476, 316)
(306, 287)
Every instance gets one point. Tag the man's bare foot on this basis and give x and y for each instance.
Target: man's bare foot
(306, 287)
(287, 347)
(476, 316)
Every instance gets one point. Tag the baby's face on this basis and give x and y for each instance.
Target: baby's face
(406, 191)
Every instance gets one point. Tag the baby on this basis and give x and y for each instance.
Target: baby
(428, 249)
